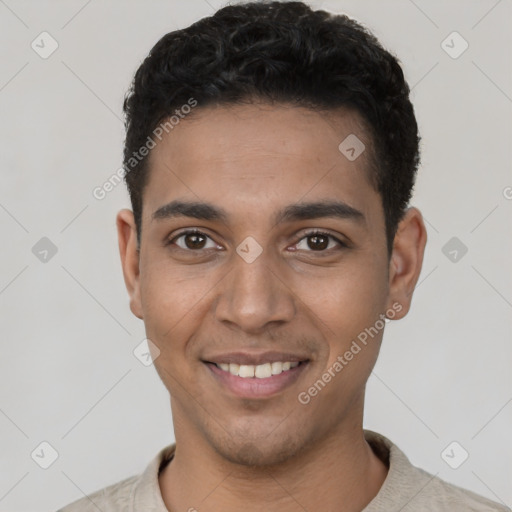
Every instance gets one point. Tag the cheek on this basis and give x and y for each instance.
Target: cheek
(170, 292)
(349, 309)
(346, 299)
(346, 306)
(173, 305)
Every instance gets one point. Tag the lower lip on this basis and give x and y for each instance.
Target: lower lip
(254, 387)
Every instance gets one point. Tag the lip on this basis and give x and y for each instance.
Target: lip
(257, 388)
(255, 358)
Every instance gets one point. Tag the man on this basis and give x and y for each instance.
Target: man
(270, 156)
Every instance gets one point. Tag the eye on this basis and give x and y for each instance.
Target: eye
(193, 240)
(318, 241)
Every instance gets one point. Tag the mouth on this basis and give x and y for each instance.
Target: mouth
(261, 371)
(262, 380)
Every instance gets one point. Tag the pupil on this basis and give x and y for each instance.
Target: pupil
(194, 241)
(318, 242)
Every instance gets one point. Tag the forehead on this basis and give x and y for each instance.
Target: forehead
(255, 154)
(230, 131)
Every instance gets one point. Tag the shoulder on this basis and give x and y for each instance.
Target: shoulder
(441, 495)
(114, 497)
(138, 492)
(411, 489)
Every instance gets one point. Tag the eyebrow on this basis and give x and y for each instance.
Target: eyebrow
(293, 212)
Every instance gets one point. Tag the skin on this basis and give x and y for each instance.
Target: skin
(253, 160)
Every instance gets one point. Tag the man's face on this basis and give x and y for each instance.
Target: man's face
(211, 298)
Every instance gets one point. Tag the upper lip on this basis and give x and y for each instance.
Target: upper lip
(254, 359)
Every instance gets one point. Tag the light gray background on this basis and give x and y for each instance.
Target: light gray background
(68, 374)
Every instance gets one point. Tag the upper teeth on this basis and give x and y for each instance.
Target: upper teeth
(261, 371)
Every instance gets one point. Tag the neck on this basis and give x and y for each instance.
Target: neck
(340, 470)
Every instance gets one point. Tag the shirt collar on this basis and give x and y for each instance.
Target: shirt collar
(146, 494)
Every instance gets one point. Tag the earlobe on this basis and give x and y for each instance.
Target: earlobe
(406, 260)
(127, 239)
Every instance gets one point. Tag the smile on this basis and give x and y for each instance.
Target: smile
(261, 371)
(256, 381)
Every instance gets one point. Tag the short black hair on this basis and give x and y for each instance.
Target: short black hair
(278, 52)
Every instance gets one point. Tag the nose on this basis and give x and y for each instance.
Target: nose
(253, 296)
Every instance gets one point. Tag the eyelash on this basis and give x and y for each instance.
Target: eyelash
(322, 233)
(304, 236)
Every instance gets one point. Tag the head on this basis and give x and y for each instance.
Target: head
(270, 156)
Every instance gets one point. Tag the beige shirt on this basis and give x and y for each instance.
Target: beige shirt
(406, 488)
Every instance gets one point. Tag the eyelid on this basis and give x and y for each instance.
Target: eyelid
(303, 235)
(323, 232)
(188, 231)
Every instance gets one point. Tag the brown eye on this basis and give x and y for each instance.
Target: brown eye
(193, 241)
(319, 242)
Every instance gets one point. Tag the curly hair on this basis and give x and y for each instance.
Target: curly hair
(281, 52)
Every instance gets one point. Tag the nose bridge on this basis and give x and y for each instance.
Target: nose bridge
(252, 295)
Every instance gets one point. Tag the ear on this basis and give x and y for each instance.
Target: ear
(127, 238)
(406, 261)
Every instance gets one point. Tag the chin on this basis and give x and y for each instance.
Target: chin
(259, 452)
